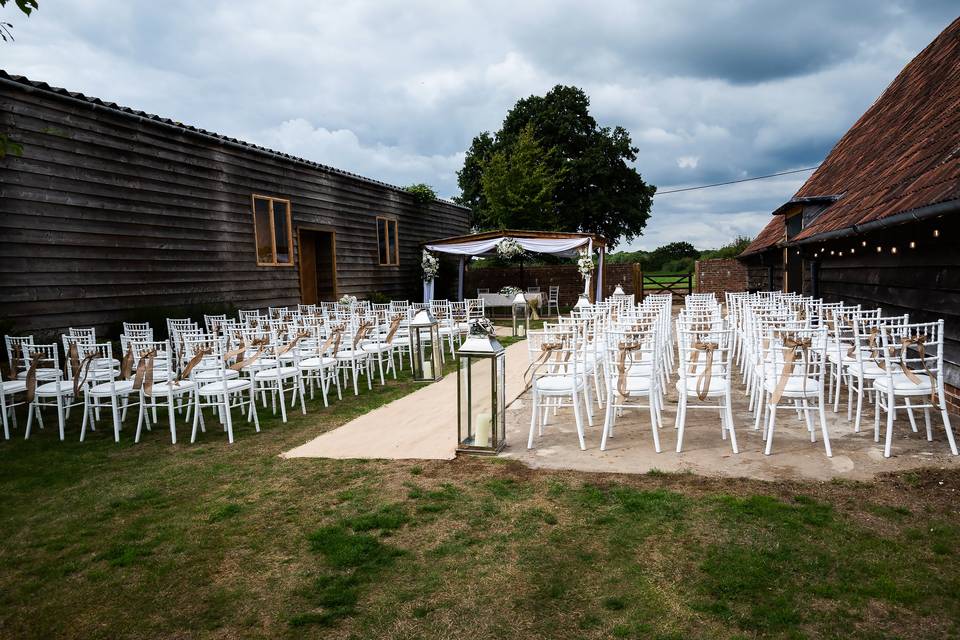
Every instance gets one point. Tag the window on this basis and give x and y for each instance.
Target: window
(388, 247)
(273, 231)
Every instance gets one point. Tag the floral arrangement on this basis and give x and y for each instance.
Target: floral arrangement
(430, 265)
(482, 327)
(510, 292)
(348, 300)
(585, 263)
(509, 248)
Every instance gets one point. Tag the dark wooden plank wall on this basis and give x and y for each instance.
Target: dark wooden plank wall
(109, 212)
(924, 282)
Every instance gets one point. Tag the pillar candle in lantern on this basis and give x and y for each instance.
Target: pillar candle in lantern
(482, 430)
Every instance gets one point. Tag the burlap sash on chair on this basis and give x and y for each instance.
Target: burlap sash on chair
(395, 324)
(704, 379)
(126, 364)
(143, 379)
(35, 359)
(81, 371)
(792, 350)
(360, 334)
(919, 342)
(624, 350)
(293, 343)
(333, 340)
(14, 363)
(194, 361)
(547, 349)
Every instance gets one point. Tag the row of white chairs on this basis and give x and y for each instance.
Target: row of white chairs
(792, 352)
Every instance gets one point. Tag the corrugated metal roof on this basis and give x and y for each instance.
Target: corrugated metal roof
(43, 86)
(901, 155)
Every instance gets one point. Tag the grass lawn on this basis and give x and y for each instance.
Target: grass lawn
(101, 540)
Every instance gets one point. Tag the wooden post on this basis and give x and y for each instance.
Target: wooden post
(637, 282)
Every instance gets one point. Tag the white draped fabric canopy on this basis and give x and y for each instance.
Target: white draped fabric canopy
(566, 247)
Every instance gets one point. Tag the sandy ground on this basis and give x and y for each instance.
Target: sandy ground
(855, 455)
(422, 425)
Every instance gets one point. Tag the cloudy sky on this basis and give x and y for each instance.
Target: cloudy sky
(710, 91)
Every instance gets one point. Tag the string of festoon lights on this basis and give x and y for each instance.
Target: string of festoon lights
(864, 247)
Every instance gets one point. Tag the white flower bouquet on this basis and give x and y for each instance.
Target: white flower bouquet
(585, 263)
(430, 265)
(510, 292)
(509, 248)
(348, 300)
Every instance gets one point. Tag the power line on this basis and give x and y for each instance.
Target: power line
(720, 184)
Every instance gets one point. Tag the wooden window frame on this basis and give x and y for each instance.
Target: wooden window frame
(393, 227)
(273, 234)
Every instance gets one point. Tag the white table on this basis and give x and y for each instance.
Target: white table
(499, 300)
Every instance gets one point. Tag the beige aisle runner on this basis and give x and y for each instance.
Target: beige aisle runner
(421, 425)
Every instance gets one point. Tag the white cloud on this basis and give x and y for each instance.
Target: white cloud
(397, 90)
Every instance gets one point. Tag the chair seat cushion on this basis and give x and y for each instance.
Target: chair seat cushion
(634, 383)
(717, 387)
(869, 369)
(42, 374)
(276, 372)
(796, 387)
(902, 385)
(350, 354)
(216, 388)
(13, 386)
(57, 387)
(317, 362)
(209, 375)
(376, 348)
(557, 384)
(105, 388)
(176, 388)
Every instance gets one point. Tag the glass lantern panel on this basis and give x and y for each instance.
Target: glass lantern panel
(464, 425)
(499, 408)
(481, 400)
(436, 346)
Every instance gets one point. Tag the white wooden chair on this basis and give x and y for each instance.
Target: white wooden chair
(56, 393)
(553, 299)
(116, 392)
(161, 386)
(632, 362)
(913, 364)
(223, 391)
(557, 374)
(795, 373)
(705, 374)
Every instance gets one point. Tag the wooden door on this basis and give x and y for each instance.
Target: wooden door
(308, 267)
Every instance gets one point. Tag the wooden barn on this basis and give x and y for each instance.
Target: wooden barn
(878, 222)
(114, 214)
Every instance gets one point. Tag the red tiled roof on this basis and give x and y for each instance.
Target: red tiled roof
(771, 235)
(904, 152)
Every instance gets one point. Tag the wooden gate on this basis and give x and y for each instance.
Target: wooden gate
(676, 283)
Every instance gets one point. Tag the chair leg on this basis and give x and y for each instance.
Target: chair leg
(926, 422)
(534, 411)
(229, 415)
(115, 411)
(888, 442)
(579, 420)
(823, 429)
(196, 419)
(681, 419)
(60, 417)
(733, 433)
(653, 424)
(913, 420)
(607, 417)
(83, 421)
(947, 427)
(770, 426)
(172, 419)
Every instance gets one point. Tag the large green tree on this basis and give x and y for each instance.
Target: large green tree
(596, 189)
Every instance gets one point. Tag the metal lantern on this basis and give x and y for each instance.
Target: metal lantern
(425, 347)
(481, 421)
(618, 291)
(521, 316)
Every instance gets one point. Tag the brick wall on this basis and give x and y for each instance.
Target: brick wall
(720, 276)
(565, 276)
